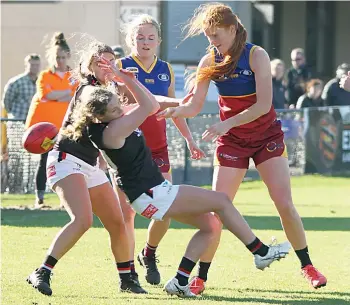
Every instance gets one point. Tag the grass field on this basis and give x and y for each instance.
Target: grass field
(86, 275)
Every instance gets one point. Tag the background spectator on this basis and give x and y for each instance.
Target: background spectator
(297, 77)
(333, 94)
(118, 51)
(279, 89)
(19, 90)
(18, 93)
(54, 92)
(345, 82)
(312, 97)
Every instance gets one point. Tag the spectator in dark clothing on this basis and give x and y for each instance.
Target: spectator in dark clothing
(279, 89)
(333, 94)
(118, 51)
(345, 82)
(297, 76)
(312, 97)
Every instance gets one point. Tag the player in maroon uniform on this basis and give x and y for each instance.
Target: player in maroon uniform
(248, 127)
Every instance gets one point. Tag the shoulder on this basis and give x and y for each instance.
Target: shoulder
(13, 81)
(259, 59)
(207, 60)
(45, 74)
(331, 84)
(95, 132)
(124, 61)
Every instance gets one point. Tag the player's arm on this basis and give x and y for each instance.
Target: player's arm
(45, 91)
(180, 123)
(199, 92)
(117, 130)
(263, 79)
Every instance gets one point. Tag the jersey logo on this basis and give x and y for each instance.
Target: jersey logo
(138, 132)
(133, 69)
(149, 80)
(51, 171)
(246, 72)
(163, 77)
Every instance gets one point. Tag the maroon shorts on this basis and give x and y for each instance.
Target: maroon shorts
(161, 158)
(235, 152)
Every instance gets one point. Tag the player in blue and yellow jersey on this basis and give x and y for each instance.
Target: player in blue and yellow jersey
(248, 128)
(143, 37)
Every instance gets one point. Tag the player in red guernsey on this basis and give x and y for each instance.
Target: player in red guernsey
(248, 127)
(143, 36)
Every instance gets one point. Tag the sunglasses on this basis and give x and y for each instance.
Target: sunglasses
(297, 59)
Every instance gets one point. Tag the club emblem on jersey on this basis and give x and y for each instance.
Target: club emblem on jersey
(163, 77)
(138, 132)
(246, 72)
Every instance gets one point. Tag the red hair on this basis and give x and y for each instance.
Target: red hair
(214, 15)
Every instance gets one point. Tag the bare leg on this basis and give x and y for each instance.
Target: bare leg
(278, 184)
(74, 195)
(105, 205)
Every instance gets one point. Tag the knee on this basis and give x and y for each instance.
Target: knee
(129, 215)
(214, 225)
(223, 200)
(285, 206)
(83, 222)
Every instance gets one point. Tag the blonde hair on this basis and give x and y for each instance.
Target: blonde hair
(131, 27)
(275, 62)
(90, 105)
(214, 15)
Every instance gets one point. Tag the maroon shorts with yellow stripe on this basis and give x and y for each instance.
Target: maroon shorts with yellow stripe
(161, 158)
(235, 152)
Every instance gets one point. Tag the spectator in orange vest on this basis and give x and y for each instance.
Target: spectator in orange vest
(54, 92)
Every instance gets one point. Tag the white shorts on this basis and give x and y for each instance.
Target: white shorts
(155, 208)
(57, 169)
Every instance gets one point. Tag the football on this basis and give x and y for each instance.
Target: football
(40, 138)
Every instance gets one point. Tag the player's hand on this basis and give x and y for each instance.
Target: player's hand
(345, 82)
(215, 131)
(167, 113)
(196, 152)
(113, 73)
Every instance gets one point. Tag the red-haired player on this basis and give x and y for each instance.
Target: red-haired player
(248, 129)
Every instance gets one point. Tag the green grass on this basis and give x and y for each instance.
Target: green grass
(86, 275)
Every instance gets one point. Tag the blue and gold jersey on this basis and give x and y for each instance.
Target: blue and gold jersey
(157, 79)
(241, 82)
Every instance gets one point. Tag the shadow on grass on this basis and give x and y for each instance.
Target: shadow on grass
(290, 301)
(57, 218)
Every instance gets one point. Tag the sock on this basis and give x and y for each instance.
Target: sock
(132, 266)
(149, 250)
(40, 194)
(304, 257)
(124, 270)
(257, 247)
(49, 263)
(203, 271)
(184, 271)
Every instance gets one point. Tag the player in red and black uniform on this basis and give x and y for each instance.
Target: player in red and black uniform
(143, 38)
(122, 144)
(248, 127)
